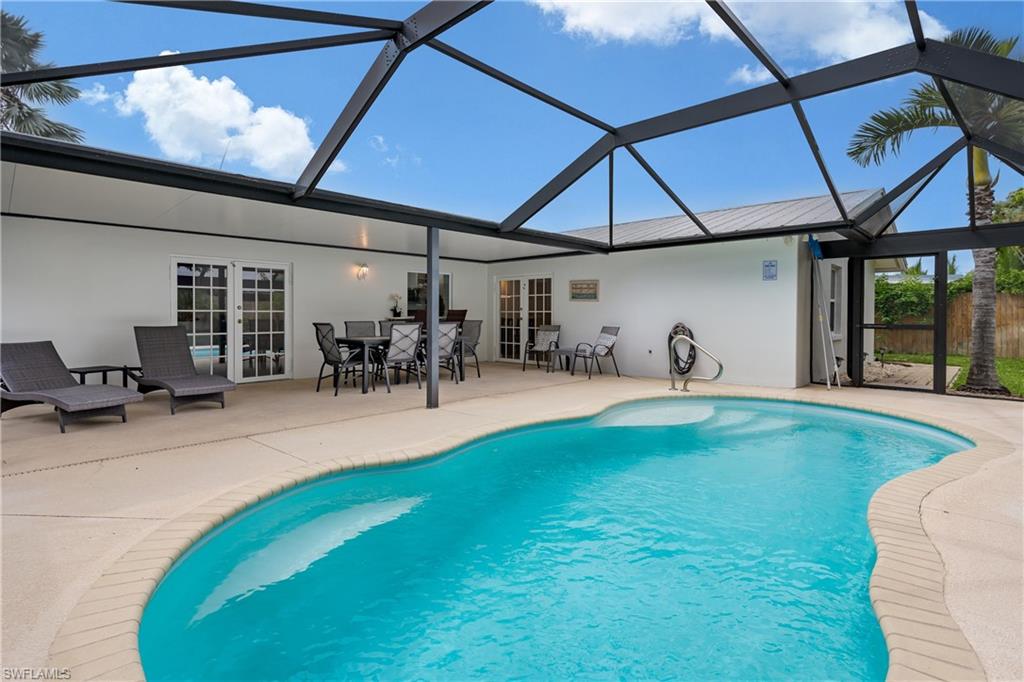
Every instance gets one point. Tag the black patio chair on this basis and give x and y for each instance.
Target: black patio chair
(403, 353)
(545, 340)
(32, 373)
(327, 342)
(592, 353)
(167, 365)
(470, 340)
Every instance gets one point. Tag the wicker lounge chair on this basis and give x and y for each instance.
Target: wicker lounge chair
(33, 373)
(604, 347)
(167, 365)
(544, 342)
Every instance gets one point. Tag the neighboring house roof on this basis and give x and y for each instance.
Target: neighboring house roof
(806, 211)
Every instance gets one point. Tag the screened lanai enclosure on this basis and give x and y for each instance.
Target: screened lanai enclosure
(577, 170)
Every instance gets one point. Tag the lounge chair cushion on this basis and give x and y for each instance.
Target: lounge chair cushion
(196, 384)
(78, 398)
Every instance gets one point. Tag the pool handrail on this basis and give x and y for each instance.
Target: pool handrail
(686, 381)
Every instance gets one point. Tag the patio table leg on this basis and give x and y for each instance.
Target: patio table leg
(366, 362)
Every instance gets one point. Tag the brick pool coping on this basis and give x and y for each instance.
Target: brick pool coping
(99, 639)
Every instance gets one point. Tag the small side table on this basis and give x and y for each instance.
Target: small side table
(558, 354)
(104, 370)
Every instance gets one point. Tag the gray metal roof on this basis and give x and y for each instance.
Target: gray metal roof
(789, 213)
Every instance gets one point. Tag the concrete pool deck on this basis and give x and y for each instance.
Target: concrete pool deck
(75, 505)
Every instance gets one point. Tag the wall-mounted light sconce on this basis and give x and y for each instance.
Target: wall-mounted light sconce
(362, 270)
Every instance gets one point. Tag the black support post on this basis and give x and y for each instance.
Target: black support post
(433, 299)
(855, 322)
(939, 340)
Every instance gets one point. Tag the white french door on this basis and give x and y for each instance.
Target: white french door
(523, 305)
(262, 321)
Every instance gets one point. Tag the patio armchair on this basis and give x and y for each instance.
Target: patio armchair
(327, 342)
(545, 340)
(470, 340)
(456, 316)
(167, 365)
(447, 352)
(32, 373)
(403, 353)
(367, 328)
(591, 354)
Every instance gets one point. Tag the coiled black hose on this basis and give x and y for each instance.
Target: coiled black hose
(681, 365)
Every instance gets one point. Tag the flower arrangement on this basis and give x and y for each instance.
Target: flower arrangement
(396, 304)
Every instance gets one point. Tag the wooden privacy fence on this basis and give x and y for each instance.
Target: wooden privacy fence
(1009, 329)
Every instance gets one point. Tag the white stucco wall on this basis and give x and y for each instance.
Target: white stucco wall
(716, 289)
(86, 286)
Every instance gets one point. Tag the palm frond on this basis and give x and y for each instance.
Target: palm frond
(887, 130)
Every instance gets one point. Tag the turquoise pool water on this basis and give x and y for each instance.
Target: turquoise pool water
(697, 538)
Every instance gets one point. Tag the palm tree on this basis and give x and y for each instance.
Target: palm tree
(1000, 118)
(19, 51)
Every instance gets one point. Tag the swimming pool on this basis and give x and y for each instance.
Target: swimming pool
(696, 538)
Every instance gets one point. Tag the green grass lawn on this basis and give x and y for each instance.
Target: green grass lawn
(1011, 370)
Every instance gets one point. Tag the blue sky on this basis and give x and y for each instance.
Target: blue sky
(443, 136)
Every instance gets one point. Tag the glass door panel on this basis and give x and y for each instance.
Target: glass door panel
(510, 319)
(524, 305)
(538, 305)
(263, 344)
(202, 309)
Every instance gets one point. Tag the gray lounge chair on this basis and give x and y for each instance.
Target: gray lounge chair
(33, 373)
(167, 365)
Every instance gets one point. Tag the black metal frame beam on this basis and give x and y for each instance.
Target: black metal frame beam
(745, 37)
(431, 20)
(805, 126)
(892, 219)
(928, 241)
(970, 186)
(940, 85)
(668, 190)
(875, 67)
(915, 24)
(486, 69)
(561, 182)
(972, 68)
(1000, 150)
(182, 58)
(935, 164)
(433, 317)
(254, 9)
(996, 74)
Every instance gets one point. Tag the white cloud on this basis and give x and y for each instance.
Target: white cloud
(393, 155)
(824, 31)
(660, 23)
(192, 118)
(97, 94)
(750, 75)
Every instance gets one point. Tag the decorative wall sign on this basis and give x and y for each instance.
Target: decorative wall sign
(583, 290)
(769, 270)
